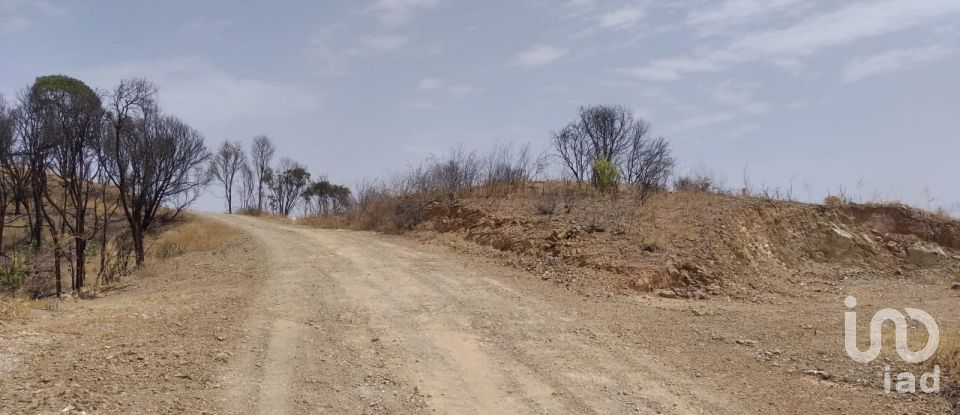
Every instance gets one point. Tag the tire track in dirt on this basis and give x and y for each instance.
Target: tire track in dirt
(447, 334)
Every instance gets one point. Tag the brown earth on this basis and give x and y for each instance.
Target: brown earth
(288, 319)
(699, 245)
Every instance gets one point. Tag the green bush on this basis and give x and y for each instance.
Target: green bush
(605, 176)
(11, 275)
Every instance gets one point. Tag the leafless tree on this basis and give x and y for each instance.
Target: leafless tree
(601, 132)
(130, 101)
(648, 165)
(248, 188)
(34, 140)
(74, 125)
(153, 159)
(574, 149)
(7, 183)
(14, 171)
(506, 168)
(261, 154)
(224, 166)
(460, 170)
(610, 129)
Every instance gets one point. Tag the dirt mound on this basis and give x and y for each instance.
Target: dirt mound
(699, 245)
(904, 220)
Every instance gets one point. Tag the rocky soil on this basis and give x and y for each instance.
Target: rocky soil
(288, 319)
(698, 245)
(156, 345)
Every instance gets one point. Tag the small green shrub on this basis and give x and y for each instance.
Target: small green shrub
(605, 175)
(12, 274)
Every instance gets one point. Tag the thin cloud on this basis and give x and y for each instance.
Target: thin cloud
(622, 18)
(894, 61)
(397, 12)
(650, 73)
(332, 51)
(702, 120)
(832, 29)
(206, 27)
(384, 43)
(193, 87)
(20, 15)
(449, 92)
(324, 53)
(719, 17)
(539, 56)
(429, 84)
(740, 96)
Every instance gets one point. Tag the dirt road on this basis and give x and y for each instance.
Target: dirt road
(358, 323)
(289, 319)
(353, 322)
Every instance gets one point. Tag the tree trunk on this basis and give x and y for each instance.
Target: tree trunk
(80, 255)
(56, 270)
(137, 235)
(103, 240)
(36, 233)
(17, 199)
(3, 217)
(260, 196)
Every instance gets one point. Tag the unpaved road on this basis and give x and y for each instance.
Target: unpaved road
(289, 319)
(353, 322)
(356, 322)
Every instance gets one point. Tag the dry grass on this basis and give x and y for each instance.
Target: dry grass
(193, 235)
(947, 356)
(325, 222)
(261, 214)
(13, 307)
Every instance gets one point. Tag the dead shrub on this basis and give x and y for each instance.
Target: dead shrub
(947, 357)
(547, 204)
(506, 170)
(408, 213)
(832, 201)
(701, 184)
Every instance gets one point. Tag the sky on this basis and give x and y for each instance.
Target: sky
(823, 96)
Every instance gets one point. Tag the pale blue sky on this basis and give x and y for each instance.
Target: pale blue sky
(827, 92)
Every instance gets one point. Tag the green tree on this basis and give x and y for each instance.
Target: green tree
(605, 176)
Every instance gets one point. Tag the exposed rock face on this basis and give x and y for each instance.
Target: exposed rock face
(841, 245)
(925, 255)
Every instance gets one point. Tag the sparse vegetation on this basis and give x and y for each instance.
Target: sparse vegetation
(229, 161)
(605, 176)
(610, 134)
(547, 204)
(68, 162)
(193, 235)
(12, 274)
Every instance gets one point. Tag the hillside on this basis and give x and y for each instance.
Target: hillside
(693, 244)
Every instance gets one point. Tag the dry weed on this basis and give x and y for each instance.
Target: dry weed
(193, 236)
(947, 356)
(325, 222)
(13, 307)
